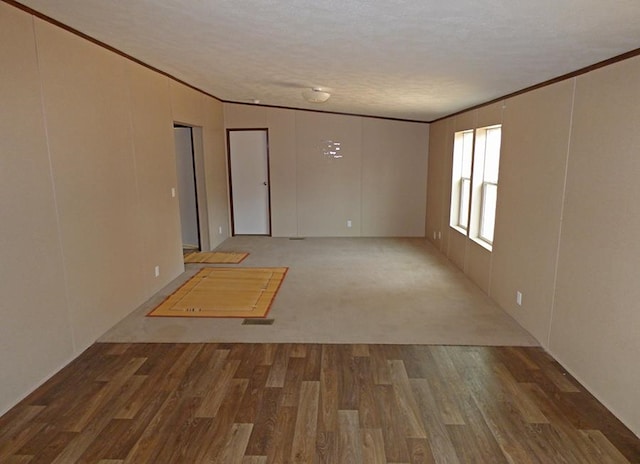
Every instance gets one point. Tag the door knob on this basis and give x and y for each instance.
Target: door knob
(264, 183)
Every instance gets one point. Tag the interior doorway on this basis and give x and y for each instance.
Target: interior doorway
(187, 187)
(249, 181)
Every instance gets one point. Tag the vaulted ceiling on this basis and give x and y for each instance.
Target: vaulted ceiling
(406, 59)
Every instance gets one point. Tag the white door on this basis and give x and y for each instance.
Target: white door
(249, 165)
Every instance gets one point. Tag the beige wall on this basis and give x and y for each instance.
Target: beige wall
(438, 149)
(329, 191)
(215, 166)
(283, 171)
(86, 150)
(379, 185)
(394, 178)
(91, 147)
(532, 170)
(566, 226)
(595, 329)
(36, 332)
(150, 111)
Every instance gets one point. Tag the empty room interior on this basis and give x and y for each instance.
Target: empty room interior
(450, 191)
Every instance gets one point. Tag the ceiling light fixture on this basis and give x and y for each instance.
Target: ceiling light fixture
(316, 95)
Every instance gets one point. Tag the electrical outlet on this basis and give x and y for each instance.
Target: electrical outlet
(519, 298)
(220, 230)
(349, 223)
(434, 234)
(157, 271)
(439, 235)
(173, 192)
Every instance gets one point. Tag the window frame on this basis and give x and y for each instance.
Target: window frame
(483, 205)
(473, 191)
(461, 203)
(480, 164)
(464, 206)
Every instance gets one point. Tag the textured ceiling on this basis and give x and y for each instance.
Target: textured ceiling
(418, 60)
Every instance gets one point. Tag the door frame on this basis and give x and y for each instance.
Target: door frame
(195, 181)
(197, 146)
(266, 131)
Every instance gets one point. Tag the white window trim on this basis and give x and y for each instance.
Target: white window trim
(457, 184)
(460, 206)
(482, 212)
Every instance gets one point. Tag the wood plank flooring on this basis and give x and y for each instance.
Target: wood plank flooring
(299, 403)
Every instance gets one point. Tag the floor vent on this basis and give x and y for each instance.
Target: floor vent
(257, 322)
(296, 238)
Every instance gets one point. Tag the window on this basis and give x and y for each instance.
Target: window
(488, 160)
(461, 182)
(474, 186)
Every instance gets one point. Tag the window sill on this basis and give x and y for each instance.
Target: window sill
(482, 243)
(460, 230)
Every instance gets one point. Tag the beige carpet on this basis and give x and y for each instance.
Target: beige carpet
(224, 292)
(344, 290)
(215, 257)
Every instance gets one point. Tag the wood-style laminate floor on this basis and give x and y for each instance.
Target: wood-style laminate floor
(281, 403)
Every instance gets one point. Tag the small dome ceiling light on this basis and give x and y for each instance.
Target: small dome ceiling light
(315, 95)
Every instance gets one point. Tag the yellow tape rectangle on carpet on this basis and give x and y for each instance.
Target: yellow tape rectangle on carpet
(224, 292)
(216, 257)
